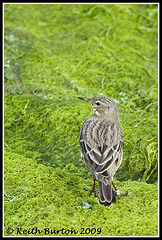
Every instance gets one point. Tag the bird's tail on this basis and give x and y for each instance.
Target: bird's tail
(106, 194)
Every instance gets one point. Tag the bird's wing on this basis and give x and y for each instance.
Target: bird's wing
(106, 154)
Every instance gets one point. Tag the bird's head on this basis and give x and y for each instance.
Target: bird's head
(103, 107)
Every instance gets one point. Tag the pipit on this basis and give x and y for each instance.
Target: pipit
(101, 141)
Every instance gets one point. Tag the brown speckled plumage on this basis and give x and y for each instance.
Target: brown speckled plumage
(101, 142)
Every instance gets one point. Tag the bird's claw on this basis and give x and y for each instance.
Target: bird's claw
(92, 191)
(124, 195)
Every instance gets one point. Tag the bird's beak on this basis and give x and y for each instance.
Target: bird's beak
(89, 100)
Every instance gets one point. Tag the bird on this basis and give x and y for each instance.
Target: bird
(101, 143)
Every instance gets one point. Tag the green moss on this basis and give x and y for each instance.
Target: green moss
(44, 197)
(53, 54)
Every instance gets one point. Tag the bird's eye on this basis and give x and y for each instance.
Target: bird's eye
(98, 103)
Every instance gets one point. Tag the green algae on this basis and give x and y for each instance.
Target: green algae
(53, 54)
(44, 197)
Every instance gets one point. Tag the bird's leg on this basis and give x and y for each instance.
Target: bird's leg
(114, 186)
(124, 195)
(94, 181)
(117, 190)
(93, 187)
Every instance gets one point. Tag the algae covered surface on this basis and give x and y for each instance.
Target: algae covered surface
(54, 53)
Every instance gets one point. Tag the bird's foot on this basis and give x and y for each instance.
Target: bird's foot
(92, 191)
(124, 195)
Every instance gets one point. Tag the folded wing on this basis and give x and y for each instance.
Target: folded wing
(101, 157)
